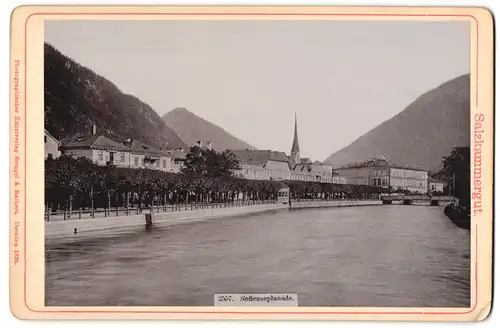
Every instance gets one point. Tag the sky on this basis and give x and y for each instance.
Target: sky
(341, 78)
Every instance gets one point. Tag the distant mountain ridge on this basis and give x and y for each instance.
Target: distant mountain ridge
(421, 134)
(76, 98)
(192, 128)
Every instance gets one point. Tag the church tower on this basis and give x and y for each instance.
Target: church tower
(295, 152)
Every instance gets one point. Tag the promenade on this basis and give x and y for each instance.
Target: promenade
(60, 231)
(333, 203)
(64, 230)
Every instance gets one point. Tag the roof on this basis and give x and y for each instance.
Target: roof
(259, 157)
(379, 161)
(95, 142)
(302, 168)
(295, 144)
(305, 160)
(142, 148)
(51, 136)
(319, 167)
(177, 154)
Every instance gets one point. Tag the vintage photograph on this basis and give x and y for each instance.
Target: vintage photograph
(324, 159)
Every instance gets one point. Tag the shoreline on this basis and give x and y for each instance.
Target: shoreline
(459, 216)
(60, 232)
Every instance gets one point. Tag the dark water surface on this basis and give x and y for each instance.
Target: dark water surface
(357, 256)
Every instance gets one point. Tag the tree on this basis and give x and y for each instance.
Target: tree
(210, 163)
(456, 167)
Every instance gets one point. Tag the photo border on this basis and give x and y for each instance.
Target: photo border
(27, 13)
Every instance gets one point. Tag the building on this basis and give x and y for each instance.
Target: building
(435, 186)
(295, 151)
(338, 179)
(99, 149)
(178, 157)
(148, 157)
(308, 171)
(262, 165)
(380, 172)
(301, 172)
(51, 146)
(275, 165)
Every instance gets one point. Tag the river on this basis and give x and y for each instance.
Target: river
(378, 256)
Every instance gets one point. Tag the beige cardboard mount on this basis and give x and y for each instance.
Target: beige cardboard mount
(26, 182)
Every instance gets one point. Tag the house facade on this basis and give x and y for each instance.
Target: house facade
(275, 165)
(148, 157)
(253, 172)
(129, 153)
(98, 149)
(262, 165)
(51, 146)
(380, 172)
(177, 159)
(435, 186)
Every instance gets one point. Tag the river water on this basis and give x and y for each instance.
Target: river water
(376, 256)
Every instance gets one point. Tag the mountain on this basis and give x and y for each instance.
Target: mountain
(76, 98)
(192, 128)
(421, 134)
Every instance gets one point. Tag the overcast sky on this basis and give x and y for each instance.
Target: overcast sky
(342, 78)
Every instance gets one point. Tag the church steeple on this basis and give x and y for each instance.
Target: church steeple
(295, 152)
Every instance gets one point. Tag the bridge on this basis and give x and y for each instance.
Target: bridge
(408, 200)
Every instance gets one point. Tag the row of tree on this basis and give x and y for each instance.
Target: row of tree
(78, 183)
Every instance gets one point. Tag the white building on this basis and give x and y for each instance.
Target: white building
(380, 172)
(436, 186)
(262, 165)
(51, 146)
(148, 157)
(131, 153)
(99, 149)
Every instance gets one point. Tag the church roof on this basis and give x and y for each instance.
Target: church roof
(295, 145)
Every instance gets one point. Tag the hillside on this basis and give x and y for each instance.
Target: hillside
(192, 128)
(421, 134)
(76, 97)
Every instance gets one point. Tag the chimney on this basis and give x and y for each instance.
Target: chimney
(209, 145)
(94, 129)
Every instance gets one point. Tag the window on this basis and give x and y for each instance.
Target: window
(158, 163)
(142, 161)
(45, 139)
(122, 157)
(99, 154)
(164, 163)
(136, 161)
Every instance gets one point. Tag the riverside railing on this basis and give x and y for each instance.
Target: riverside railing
(79, 214)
